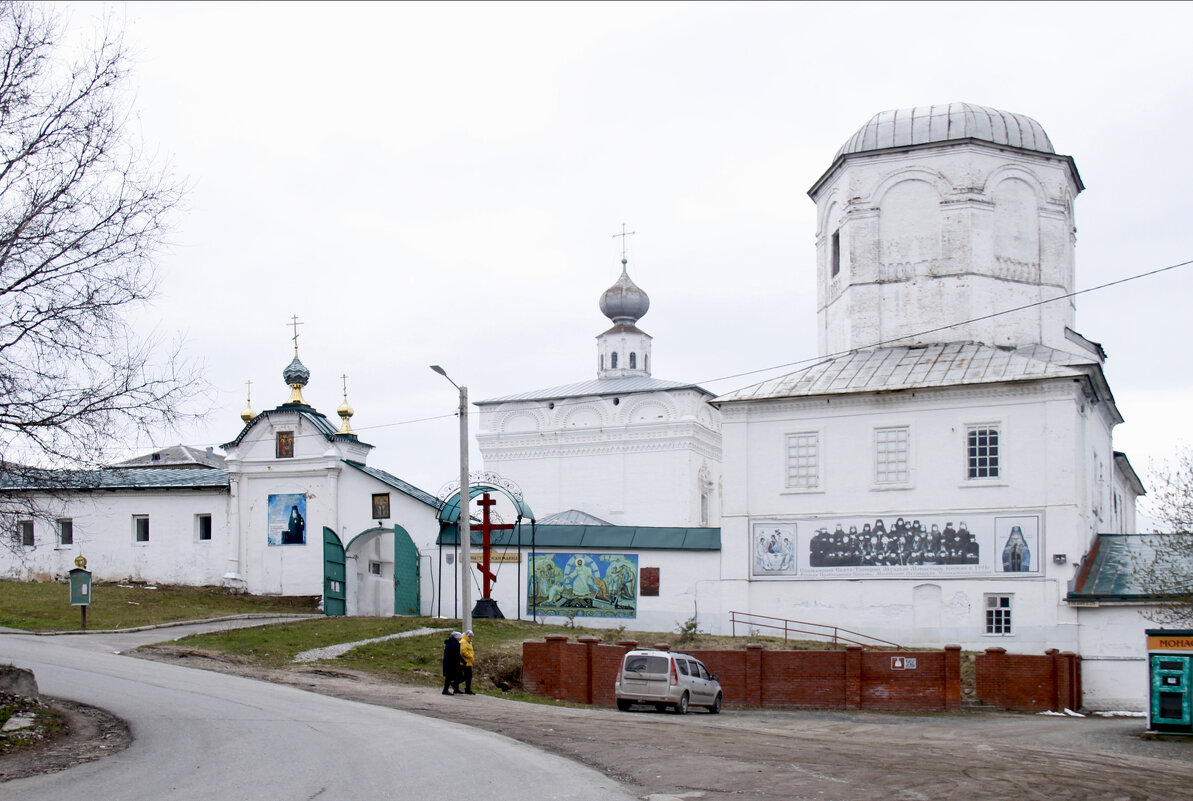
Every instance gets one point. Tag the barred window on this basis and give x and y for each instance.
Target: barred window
(891, 455)
(998, 614)
(981, 452)
(803, 459)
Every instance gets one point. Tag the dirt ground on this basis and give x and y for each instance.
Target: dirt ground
(798, 755)
(91, 734)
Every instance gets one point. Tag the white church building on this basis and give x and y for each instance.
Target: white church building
(944, 472)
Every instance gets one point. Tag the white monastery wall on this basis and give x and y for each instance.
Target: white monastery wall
(1113, 648)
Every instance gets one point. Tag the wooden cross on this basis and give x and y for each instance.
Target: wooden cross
(624, 233)
(294, 322)
(487, 527)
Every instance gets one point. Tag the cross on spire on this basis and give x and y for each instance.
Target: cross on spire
(624, 233)
(295, 323)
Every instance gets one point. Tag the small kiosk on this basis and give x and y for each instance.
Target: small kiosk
(80, 588)
(1170, 666)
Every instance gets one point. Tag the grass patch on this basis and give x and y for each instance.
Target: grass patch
(45, 606)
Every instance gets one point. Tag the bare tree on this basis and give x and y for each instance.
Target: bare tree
(1164, 568)
(82, 216)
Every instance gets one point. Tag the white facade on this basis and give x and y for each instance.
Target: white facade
(625, 448)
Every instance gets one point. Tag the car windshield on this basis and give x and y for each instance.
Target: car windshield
(646, 664)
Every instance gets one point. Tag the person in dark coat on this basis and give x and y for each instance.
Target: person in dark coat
(451, 664)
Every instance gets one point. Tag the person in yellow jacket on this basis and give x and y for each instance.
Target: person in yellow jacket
(467, 654)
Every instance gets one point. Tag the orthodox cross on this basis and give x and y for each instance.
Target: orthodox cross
(624, 233)
(487, 527)
(345, 378)
(295, 323)
(248, 391)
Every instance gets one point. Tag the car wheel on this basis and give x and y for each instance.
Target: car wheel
(716, 705)
(681, 708)
(623, 705)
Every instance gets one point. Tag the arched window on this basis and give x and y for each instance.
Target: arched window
(602, 361)
(633, 361)
(646, 362)
(614, 360)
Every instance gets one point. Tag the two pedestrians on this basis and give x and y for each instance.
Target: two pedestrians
(458, 656)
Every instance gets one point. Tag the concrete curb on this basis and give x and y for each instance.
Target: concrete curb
(169, 625)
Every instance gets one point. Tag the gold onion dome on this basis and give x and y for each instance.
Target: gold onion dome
(248, 414)
(345, 412)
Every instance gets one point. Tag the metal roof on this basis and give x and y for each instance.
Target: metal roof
(450, 511)
(176, 456)
(634, 538)
(110, 478)
(1117, 562)
(889, 369)
(572, 517)
(946, 122)
(393, 481)
(597, 386)
(316, 418)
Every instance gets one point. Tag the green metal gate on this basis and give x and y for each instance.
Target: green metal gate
(406, 574)
(334, 575)
(1172, 695)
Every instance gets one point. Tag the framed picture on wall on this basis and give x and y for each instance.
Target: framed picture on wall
(380, 505)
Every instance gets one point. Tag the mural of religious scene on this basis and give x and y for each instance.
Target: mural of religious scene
(774, 549)
(288, 519)
(896, 545)
(583, 584)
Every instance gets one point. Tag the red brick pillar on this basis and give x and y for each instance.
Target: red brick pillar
(996, 669)
(590, 644)
(1078, 690)
(1055, 695)
(753, 674)
(952, 678)
(1068, 691)
(852, 680)
(553, 672)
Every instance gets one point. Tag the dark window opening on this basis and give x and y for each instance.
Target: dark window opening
(141, 528)
(66, 532)
(633, 361)
(614, 359)
(204, 528)
(25, 533)
(835, 253)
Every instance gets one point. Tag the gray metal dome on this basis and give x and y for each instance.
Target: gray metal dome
(928, 124)
(624, 302)
(296, 373)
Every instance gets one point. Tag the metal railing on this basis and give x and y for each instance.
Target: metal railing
(837, 634)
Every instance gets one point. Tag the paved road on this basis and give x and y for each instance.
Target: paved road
(205, 735)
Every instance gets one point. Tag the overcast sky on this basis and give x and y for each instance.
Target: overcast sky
(440, 184)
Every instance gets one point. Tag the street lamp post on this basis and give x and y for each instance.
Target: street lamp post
(463, 525)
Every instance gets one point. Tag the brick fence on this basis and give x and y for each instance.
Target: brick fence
(584, 672)
(1029, 683)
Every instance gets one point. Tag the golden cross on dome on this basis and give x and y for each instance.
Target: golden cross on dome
(624, 233)
(345, 379)
(295, 323)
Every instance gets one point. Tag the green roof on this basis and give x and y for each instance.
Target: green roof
(632, 538)
(1116, 562)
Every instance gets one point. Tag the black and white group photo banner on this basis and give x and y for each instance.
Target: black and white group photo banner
(894, 546)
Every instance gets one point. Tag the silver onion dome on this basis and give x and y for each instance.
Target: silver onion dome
(296, 373)
(624, 302)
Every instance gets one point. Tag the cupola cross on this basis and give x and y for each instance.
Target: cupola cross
(295, 323)
(624, 233)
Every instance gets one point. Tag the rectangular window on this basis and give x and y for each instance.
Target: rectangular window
(66, 532)
(835, 253)
(203, 528)
(803, 460)
(141, 528)
(891, 462)
(24, 533)
(998, 614)
(284, 445)
(981, 452)
(375, 568)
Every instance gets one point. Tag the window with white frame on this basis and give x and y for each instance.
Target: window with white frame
(803, 460)
(66, 532)
(140, 528)
(998, 614)
(203, 528)
(891, 455)
(24, 533)
(981, 452)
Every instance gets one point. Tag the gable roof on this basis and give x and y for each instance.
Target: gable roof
(176, 456)
(573, 517)
(914, 367)
(597, 386)
(401, 486)
(316, 419)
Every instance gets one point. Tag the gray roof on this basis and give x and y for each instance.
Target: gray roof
(176, 456)
(1116, 565)
(404, 487)
(112, 478)
(597, 386)
(888, 369)
(573, 517)
(316, 418)
(941, 123)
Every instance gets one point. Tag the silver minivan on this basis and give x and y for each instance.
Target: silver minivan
(665, 679)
